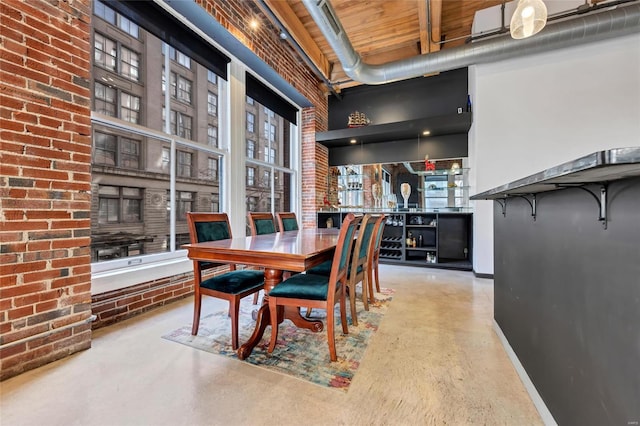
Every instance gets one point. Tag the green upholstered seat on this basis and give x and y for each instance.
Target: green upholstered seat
(303, 286)
(235, 282)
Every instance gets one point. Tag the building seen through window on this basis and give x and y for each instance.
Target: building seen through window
(131, 168)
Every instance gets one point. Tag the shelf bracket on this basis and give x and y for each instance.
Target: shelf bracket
(503, 204)
(532, 204)
(601, 199)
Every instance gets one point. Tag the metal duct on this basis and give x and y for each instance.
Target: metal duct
(583, 29)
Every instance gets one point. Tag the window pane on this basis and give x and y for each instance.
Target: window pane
(129, 64)
(104, 52)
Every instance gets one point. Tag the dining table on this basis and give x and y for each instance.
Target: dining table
(294, 251)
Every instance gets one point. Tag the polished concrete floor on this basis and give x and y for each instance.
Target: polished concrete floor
(435, 360)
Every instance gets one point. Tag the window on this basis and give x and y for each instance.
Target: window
(213, 168)
(130, 108)
(166, 159)
(104, 52)
(127, 26)
(129, 64)
(105, 148)
(266, 179)
(184, 204)
(104, 12)
(270, 131)
(212, 136)
(249, 100)
(212, 104)
(176, 55)
(183, 90)
(184, 164)
(180, 124)
(252, 204)
(251, 149)
(119, 204)
(250, 122)
(129, 153)
(112, 150)
(269, 155)
(251, 176)
(215, 203)
(212, 77)
(104, 99)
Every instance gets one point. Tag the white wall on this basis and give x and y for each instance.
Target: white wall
(542, 110)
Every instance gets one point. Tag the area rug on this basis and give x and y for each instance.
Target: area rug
(299, 352)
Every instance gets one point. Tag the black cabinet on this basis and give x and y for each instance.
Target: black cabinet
(439, 240)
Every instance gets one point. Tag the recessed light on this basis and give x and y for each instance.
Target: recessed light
(353, 141)
(426, 133)
(254, 24)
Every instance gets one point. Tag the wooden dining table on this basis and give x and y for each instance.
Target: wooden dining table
(294, 251)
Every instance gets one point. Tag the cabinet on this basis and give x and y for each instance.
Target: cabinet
(346, 187)
(442, 239)
(446, 188)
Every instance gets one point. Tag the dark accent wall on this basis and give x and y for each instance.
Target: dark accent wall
(567, 297)
(432, 96)
(447, 146)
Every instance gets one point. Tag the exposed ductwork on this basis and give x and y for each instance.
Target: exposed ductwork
(602, 25)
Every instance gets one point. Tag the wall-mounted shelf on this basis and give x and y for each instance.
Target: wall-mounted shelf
(410, 129)
(599, 168)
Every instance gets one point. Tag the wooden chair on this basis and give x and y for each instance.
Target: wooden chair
(231, 286)
(361, 261)
(318, 291)
(287, 221)
(373, 265)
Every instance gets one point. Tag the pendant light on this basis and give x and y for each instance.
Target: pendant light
(528, 19)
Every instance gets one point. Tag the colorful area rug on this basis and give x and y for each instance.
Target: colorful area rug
(299, 353)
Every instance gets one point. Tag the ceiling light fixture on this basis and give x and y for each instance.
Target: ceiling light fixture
(426, 133)
(528, 19)
(254, 24)
(353, 141)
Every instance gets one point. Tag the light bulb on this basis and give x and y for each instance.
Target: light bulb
(528, 19)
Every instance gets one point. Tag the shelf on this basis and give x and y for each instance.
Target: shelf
(598, 168)
(422, 226)
(431, 248)
(411, 129)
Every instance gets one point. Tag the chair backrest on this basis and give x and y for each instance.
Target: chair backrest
(261, 223)
(287, 221)
(205, 227)
(342, 255)
(362, 243)
(208, 227)
(376, 239)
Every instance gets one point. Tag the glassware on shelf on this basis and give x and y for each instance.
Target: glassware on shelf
(392, 201)
(405, 191)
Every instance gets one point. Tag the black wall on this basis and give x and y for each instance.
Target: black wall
(401, 101)
(567, 297)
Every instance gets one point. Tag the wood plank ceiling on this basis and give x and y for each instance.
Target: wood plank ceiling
(380, 31)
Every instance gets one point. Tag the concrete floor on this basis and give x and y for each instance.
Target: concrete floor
(435, 360)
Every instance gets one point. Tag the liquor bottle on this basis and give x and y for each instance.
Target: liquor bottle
(420, 240)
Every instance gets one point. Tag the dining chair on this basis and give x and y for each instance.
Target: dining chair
(318, 291)
(231, 286)
(361, 262)
(287, 221)
(374, 256)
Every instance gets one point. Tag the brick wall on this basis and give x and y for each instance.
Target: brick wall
(45, 301)
(44, 182)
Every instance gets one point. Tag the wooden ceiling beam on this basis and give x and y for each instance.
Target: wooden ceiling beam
(296, 29)
(436, 24)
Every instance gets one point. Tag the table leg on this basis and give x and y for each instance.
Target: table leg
(293, 313)
(263, 318)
